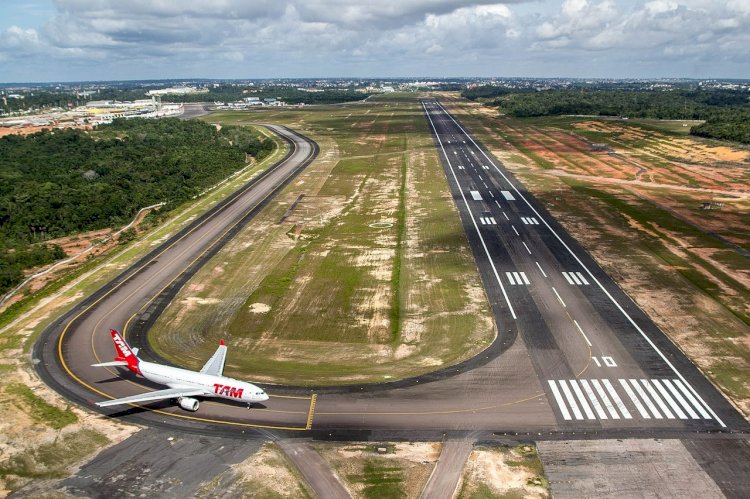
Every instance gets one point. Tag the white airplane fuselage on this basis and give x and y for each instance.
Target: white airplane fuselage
(215, 386)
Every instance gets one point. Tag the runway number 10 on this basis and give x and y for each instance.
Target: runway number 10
(608, 361)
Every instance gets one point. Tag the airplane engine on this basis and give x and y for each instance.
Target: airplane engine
(188, 403)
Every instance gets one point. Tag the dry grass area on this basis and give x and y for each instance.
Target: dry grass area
(667, 216)
(43, 437)
(358, 271)
(379, 470)
(503, 472)
(265, 474)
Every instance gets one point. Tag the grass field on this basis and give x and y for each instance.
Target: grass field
(382, 470)
(637, 207)
(368, 278)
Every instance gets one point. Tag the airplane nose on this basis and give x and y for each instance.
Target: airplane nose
(264, 397)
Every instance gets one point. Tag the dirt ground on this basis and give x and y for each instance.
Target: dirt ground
(411, 462)
(503, 472)
(28, 130)
(704, 185)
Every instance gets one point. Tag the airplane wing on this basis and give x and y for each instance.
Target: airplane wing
(169, 393)
(215, 365)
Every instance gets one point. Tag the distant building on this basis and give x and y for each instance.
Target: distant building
(175, 90)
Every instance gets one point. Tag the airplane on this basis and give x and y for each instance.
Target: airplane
(183, 384)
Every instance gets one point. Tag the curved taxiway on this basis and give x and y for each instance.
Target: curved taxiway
(573, 352)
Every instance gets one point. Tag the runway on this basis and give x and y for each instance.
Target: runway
(573, 352)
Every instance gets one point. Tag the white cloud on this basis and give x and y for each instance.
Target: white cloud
(241, 38)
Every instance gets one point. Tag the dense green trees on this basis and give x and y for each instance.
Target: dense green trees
(67, 181)
(726, 111)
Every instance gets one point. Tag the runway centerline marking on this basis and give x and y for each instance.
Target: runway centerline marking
(559, 297)
(540, 269)
(687, 385)
(471, 216)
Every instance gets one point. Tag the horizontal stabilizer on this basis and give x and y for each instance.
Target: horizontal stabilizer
(170, 393)
(110, 364)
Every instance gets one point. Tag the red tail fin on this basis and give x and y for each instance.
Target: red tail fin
(124, 352)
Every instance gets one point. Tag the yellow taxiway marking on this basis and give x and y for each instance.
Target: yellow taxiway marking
(106, 395)
(311, 412)
(433, 413)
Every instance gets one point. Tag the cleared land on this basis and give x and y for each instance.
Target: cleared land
(667, 216)
(41, 435)
(358, 271)
(504, 472)
(376, 470)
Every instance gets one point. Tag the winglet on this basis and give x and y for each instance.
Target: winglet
(221, 343)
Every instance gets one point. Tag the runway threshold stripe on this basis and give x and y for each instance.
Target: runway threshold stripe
(656, 398)
(644, 397)
(559, 400)
(509, 275)
(571, 401)
(634, 399)
(665, 395)
(604, 290)
(592, 398)
(682, 401)
(567, 278)
(575, 278)
(582, 399)
(492, 219)
(603, 395)
(525, 279)
(580, 276)
(692, 399)
(616, 398)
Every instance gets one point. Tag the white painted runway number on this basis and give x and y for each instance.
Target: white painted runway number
(608, 361)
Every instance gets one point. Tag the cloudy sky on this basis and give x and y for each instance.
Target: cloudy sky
(68, 40)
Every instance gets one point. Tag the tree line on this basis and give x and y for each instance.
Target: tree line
(726, 112)
(62, 182)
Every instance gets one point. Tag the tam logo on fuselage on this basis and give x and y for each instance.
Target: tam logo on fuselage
(228, 391)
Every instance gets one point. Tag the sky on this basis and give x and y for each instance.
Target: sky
(75, 40)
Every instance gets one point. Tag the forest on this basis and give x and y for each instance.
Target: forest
(56, 183)
(726, 112)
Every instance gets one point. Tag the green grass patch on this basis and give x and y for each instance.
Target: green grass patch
(52, 460)
(381, 479)
(395, 312)
(40, 410)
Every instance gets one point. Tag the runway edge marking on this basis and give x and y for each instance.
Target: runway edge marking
(601, 286)
(471, 214)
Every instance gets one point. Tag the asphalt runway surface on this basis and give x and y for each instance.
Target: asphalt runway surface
(573, 355)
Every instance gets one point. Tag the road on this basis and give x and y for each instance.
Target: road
(574, 354)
